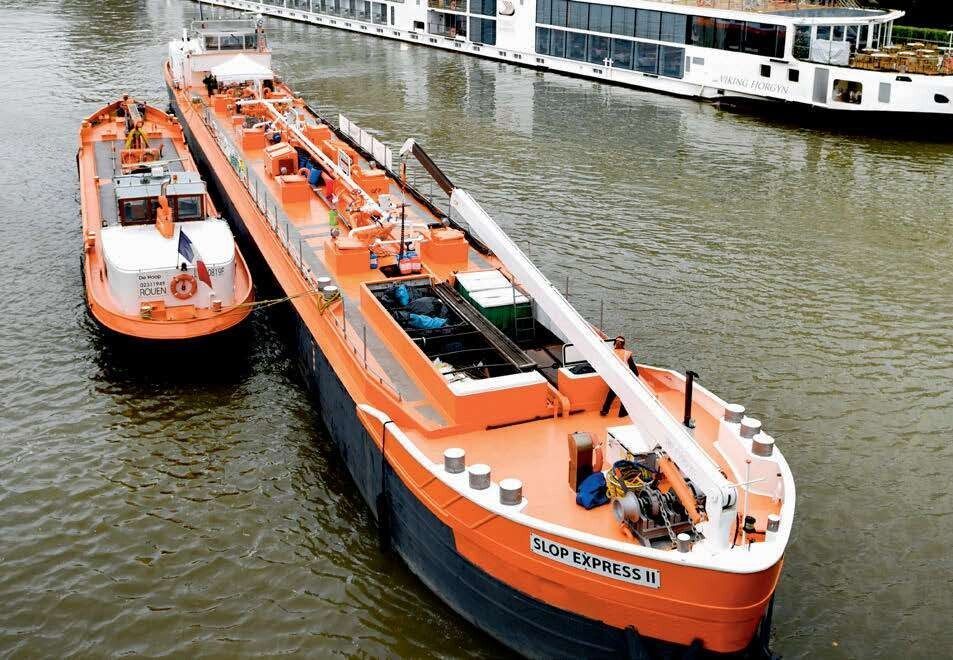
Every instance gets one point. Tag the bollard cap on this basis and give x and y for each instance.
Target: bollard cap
(750, 427)
(734, 412)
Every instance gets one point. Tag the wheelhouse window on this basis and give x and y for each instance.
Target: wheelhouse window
(136, 211)
(211, 42)
(233, 41)
(189, 207)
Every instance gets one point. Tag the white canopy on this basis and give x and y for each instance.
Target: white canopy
(241, 68)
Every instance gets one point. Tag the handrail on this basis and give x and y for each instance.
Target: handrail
(264, 199)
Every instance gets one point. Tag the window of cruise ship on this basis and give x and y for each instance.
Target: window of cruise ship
(445, 25)
(621, 53)
(576, 46)
(483, 30)
(623, 21)
(646, 57)
(674, 28)
(484, 7)
(578, 15)
(558, 45)
(542, 40)
(671, 61)
(598, 49)
(802, 42)
(560, 12)
(728, 34)
(648, 23)
(544, 12)
(600, 18)
(848, 91)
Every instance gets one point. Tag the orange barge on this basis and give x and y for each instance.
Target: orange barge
(158, 262)
(459, 385)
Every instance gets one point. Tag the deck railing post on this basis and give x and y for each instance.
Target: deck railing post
(365, 346)
(602, 312)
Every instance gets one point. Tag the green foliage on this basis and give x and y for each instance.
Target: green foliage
(904, 33)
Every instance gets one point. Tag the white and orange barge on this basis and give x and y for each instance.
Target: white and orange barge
(158, 261)
(458, 385)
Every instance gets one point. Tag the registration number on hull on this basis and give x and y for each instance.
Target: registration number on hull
(586, 561)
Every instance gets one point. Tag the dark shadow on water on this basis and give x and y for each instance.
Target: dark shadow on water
(221, 359)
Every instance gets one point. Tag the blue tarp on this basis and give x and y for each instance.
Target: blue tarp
(592, 491)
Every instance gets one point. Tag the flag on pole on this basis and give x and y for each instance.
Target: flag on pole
(189, 253)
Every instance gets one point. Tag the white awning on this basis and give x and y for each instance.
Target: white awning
(241, 68)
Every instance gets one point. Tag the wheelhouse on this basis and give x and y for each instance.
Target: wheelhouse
(137, 196)
(227, 35)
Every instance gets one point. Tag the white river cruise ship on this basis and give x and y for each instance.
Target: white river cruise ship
(828, 55)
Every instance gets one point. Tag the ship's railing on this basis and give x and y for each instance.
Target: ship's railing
(293, 243)
(766, 5)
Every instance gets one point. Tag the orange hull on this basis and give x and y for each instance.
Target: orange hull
(164, 322)
(720, 608)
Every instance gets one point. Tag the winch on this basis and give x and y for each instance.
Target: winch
(646, 499)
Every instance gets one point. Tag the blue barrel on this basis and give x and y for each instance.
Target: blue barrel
(314, 175)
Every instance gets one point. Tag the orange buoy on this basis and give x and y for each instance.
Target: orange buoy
(183, 286)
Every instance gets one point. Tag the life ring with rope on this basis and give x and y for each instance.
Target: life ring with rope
(183, 286)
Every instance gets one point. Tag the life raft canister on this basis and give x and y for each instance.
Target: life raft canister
(183, 286)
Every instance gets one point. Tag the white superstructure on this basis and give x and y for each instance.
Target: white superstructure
(143, 265)
(809, 53)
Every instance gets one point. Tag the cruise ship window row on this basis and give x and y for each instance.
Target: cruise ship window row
(642, 56)
(481, 7)
(765, 39)
(360, 10)
(481, 30)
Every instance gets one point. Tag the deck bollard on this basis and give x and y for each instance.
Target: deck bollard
(479, 476)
